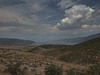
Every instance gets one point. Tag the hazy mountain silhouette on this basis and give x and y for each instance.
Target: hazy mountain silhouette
(14, 42)
(77, 40)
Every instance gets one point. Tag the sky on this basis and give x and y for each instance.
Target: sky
(45, 20)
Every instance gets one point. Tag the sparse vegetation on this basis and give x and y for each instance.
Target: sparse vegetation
(14, 69)
(42, 61)
(53, 70)
(94, 70)
(49, 46)
(87, 52)
(72, 72)
(34, 49)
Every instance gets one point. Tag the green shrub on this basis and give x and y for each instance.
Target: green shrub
(34, 49)
(94, 70)
(53, 70)
(73, 72)
(84, 53)
(14, 69)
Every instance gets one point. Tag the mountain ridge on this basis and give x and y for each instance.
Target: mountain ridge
(15, 42)
(78, 39)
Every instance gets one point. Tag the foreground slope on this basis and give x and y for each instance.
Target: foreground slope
(86, 52)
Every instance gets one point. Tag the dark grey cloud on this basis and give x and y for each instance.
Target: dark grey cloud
(91, 3)
(69, 3)
(4, 3)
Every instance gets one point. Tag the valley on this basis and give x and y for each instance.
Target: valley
(35, 62)
(35, 59)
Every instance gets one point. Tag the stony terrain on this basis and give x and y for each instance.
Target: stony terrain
(34, 59)
(33, 62)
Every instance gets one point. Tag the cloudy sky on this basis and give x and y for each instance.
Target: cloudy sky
(42, 20)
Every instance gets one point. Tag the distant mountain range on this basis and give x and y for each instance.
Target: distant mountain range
(76, 40)
(69, 41)
(15, 42)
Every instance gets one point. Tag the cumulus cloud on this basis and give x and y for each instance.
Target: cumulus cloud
(75, 17)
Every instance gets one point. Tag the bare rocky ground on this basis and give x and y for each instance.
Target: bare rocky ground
(33, 62)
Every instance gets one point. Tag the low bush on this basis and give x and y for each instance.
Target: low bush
(53, 70)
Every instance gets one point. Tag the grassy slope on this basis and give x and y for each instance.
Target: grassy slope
(50, 46)
(86, 52)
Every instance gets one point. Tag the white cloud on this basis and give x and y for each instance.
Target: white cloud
(66, 3)
(85, 26)
(75, 17)
(6, 28)
(90, 26)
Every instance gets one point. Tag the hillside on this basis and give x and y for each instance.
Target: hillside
(50, 46)
(15, 42)
(86, 52)
(74, 58)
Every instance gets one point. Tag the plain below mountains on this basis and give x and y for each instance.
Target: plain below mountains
(15, 42)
